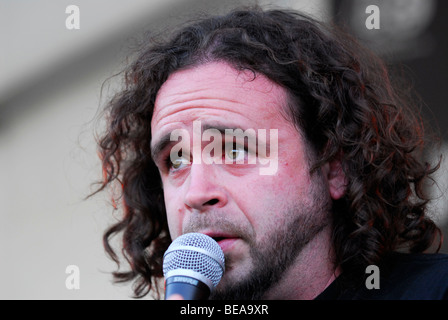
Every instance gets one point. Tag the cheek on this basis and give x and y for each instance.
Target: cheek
(260, 199)
(174, 214)
(294, 178)
(270, 198)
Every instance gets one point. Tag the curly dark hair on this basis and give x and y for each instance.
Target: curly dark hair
(340, 96)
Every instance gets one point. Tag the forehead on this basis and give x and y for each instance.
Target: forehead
(216, 91)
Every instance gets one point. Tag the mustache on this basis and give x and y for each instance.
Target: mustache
(222, 223)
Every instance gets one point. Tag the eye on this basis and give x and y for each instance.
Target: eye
(235, 153)
(178, 163)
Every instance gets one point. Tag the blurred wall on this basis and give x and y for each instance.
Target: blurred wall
(50, 92)
(412, 39)
(50, 85)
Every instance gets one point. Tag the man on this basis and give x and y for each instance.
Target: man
(327, 180)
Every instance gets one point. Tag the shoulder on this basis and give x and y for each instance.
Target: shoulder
(414, 276)
(401, 277)
(419, 265)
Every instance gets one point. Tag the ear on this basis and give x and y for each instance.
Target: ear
(337, 181)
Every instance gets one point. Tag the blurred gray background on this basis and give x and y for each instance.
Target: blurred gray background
(50, 92)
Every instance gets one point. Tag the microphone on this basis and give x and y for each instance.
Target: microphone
(193, 265)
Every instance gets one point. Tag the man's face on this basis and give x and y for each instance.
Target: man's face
(261, 221)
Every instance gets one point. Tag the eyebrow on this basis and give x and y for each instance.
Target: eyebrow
(160, 145)
(165, 141)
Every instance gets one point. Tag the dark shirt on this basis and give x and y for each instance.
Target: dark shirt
(402, 277)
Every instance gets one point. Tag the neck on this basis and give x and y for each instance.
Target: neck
(312, 271)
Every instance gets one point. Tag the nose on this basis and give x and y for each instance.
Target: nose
(204, 190)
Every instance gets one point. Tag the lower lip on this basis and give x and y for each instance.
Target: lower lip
(227, 244)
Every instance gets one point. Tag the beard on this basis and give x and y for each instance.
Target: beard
(271, 260)
(272, 257)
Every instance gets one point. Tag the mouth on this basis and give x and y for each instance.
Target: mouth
(218, 239)
(225, 241)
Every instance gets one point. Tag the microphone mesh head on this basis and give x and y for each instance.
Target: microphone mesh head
(196, 252)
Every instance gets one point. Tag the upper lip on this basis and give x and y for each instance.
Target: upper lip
(218, 235)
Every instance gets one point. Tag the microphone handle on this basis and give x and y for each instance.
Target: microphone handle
(189, 288)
